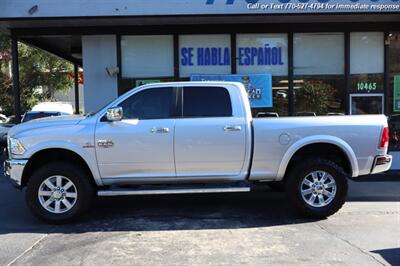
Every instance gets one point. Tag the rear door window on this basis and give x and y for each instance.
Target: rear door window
(206, 102)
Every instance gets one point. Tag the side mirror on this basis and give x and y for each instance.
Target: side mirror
(115, 114)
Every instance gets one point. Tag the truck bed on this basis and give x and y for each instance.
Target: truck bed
(276, 137)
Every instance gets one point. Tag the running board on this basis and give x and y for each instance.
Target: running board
(166, 191)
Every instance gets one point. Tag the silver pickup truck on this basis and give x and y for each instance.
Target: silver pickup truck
(190, 137)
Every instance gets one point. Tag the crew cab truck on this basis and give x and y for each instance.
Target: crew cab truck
(190, 137)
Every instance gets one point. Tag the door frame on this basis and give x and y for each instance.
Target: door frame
(382, 95)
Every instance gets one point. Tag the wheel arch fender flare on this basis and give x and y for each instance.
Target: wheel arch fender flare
(83, 153)
(319, 139)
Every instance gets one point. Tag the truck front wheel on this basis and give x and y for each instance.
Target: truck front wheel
(59, 192)
(316, 187)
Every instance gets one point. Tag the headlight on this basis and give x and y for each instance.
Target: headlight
(15, 146)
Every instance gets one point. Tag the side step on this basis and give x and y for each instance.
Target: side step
(170, 190)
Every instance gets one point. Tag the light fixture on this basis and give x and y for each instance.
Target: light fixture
(33, 9)
(387, 39)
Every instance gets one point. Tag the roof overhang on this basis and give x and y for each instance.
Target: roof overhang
(62, 35)
(7, 24)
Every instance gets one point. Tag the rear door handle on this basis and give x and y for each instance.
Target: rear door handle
(159, 130)
(232, 128)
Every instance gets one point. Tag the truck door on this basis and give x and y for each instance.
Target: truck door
(209, 140)
(141, 144)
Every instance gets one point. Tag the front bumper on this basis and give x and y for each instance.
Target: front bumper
(14, 170)
(382, 163)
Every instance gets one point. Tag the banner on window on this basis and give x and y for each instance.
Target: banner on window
(258, 86)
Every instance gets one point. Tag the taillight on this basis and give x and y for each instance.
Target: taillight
(384, 143)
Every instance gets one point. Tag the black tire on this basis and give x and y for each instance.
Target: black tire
(85, 191)
(293, 183)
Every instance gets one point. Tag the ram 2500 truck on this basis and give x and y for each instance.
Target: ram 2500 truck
(190, 137)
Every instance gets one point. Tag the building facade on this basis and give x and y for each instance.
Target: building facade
(317, 57)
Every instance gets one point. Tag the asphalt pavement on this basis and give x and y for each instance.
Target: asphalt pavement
(216, 229)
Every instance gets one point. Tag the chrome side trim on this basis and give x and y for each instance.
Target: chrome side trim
(125, 192)
(151, 180)
(14, 170)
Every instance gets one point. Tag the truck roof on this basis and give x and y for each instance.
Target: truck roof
(193, 83)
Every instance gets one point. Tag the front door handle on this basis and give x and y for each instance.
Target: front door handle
(159, 130)
(232, 128)
(105, 143)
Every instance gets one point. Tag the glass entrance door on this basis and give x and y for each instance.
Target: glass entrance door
(369, 103)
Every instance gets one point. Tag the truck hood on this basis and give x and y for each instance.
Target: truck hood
(69, 120)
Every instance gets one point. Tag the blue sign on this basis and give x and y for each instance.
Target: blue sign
(258, 86)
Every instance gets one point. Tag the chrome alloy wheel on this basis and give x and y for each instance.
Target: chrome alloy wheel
(57, 194)
(318, 189)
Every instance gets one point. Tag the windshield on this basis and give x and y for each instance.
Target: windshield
(98, 110)
(11, 120)
(32, 116)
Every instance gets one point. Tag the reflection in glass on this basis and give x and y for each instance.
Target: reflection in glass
(319, 73)
(321, 95)
(361, 104)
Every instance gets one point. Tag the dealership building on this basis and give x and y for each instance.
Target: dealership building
(316, 57)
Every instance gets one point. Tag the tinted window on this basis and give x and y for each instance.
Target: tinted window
(149, 104)
(206, 102)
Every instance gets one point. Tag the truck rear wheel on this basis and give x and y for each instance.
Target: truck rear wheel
(59, 192)
(316, 187)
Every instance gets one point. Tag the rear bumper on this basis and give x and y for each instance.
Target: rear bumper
(382, 163)
(14, 170)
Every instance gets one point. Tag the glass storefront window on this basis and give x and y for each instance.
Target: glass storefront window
(126, 84)
(393, 40)
(394, 72)
(147, 56)
(370, 103)
(319, 73)
(366, 62)
(204, 54)
(266, 54)
(319, 66)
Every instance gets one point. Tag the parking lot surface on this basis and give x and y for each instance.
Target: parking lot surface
(221, 229)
